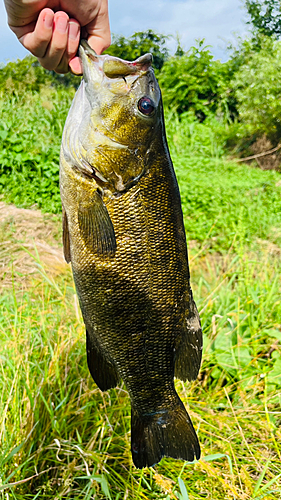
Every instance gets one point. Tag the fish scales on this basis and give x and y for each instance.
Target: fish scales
(133, 287)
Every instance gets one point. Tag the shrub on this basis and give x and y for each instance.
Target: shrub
(258, 89)
(26, 75)
(194, 82)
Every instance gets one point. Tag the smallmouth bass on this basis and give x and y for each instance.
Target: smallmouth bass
(124, 236)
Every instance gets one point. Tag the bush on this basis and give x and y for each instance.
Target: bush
(257, 88)
(26, 75)
(265, 16)
(30, 136)
(194, 82)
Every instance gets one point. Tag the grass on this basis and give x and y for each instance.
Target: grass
(221, 198)
(62, 438)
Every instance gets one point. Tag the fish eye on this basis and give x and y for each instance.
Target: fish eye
(146, 106)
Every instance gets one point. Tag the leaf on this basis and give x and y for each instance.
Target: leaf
(273, 332)
(101, 480)
(242, 356)
(259, 481)
(3, 134)
(184, 494)
(274, 376)
(216, 456)
(13, 452)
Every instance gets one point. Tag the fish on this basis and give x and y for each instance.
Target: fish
(124, 235)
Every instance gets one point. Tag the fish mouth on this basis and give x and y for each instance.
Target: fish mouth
(113, 67)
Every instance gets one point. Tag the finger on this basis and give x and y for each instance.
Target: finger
(36, 37)
(73, 38)
(99, 42)
(75, 66)
(58, 43)
(72, 46)
(99, 30)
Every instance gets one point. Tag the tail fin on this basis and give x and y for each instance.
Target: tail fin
(167, 433)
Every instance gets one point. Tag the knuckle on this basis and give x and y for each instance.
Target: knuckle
(39, 52)
(59, 46)
(62, 67)
(46, 64)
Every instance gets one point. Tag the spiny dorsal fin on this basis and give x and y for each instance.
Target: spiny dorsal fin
(65, 237)
(96, 227)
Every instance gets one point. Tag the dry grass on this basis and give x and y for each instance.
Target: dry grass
(24, 233)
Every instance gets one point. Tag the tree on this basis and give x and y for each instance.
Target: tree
(257, 87)
(139, 44)
(265, 16)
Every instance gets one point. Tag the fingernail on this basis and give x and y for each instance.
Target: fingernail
(73, 30)
(48, 20)
(61, 24)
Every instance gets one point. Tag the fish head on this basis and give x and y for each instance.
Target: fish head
(117, 113)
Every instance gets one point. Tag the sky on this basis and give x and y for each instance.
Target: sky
(218, 21)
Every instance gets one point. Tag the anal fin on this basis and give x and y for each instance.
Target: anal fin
(103, 371)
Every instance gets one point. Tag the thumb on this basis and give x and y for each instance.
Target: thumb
(98, 30)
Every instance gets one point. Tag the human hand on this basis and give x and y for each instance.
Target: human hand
(53, 37)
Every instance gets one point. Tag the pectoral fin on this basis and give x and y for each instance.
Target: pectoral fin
(65, 237)
(96, 227)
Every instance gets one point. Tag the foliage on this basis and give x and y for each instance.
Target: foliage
(29, 164)
(265, 16)
(30, 136)
(193, 81)
(139, 44)
(23, 76)
(221, 198)
(29, 170)
(258, 89)
(27, 75)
